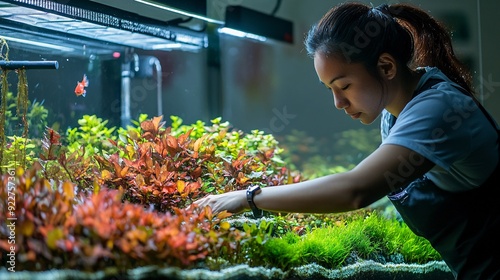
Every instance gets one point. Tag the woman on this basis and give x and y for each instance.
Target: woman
(439, 151)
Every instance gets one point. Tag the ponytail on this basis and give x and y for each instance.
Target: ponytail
(432, 44)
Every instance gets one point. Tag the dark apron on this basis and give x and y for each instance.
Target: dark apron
(463, 227)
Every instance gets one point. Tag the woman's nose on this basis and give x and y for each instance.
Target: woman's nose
(340, 101)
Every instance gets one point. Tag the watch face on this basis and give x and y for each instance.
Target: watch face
(253, 188)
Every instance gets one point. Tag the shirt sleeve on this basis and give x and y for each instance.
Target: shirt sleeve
(433, 124)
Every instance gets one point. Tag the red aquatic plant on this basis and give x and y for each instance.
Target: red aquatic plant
(57, 226)
(156, 169)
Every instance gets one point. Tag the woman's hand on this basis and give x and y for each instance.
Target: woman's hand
(234, 202)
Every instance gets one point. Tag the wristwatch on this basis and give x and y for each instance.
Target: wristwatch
(251, 192)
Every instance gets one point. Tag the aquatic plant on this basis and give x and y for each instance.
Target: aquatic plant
(364, 235)
(59, 225)
(156, 168)
(20, 151)
(4, 48)
(93, 134)
(125, 205)
(22, 100)
(168, 167)
(60, 165)
(36, 116)
(317, 156)
(353, 145)
(24, 114)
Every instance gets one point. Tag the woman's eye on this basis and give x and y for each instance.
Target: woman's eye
(346, 87)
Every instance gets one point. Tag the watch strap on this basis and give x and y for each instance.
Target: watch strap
(251, 192)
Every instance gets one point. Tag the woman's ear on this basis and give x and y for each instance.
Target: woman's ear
(387, 66)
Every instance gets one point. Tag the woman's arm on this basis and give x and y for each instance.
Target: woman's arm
(385, 170)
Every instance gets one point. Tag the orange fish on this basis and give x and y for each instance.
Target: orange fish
(80, 86)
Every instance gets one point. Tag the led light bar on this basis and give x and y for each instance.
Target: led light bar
(167, 7)
(241, 34)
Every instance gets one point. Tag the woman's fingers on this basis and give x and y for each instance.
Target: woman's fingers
(232, 202)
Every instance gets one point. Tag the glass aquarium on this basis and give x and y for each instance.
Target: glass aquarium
(115, 117)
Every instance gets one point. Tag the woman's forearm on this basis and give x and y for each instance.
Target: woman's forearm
(351, 190)
(332, 193)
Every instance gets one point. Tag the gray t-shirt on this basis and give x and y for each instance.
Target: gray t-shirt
(445, 126)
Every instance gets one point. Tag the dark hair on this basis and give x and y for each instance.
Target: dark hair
(359, 33)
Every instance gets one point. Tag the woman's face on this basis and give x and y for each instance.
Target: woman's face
(354, 90)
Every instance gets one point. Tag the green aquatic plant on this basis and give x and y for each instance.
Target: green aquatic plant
(256, 236)
(317, 156)
(298, 146)
(353, 145)
(318, 166)
(229, 141)
(23, 117)
(36, 117)
(241, 158)
(93, 134)
(20, 152)
(364, 235)
(4, 55)
(132, 130)
(198, 129)
(3, 111)
(22, 101)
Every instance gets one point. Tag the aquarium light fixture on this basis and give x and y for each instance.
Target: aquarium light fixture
(38, 44)
(240, 21)
(98, 22)
(178, 11)
(57, 23)
(241, 34)
(257, 24)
